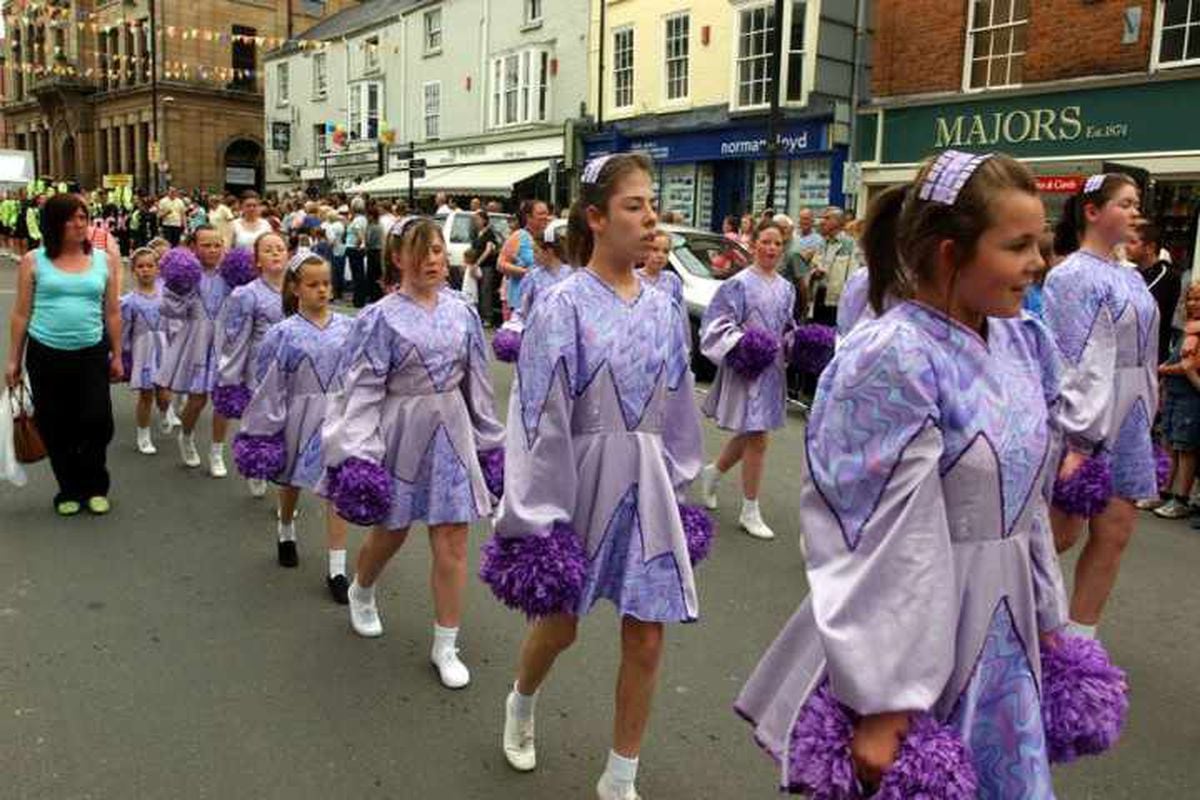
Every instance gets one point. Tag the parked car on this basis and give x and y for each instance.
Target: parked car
(703, 259)
(457, 227)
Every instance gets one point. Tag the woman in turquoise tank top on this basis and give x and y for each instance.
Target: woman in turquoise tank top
(66, 313)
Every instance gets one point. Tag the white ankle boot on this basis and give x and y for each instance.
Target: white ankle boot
(145, 444)
(518, 744)
(364, 615)
(708, 486)
(751, 521)
(187, 449)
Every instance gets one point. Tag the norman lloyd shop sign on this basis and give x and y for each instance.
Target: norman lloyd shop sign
(1147, 118)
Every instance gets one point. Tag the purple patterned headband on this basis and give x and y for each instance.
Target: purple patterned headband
(1094, 182)
(591, 170)
(948, 175)
(302, 257)
(401, 225)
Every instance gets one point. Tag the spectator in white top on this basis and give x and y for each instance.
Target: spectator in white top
(250, 225)
(172, 211)
(443, 206)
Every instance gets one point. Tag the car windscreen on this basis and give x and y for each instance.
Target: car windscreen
(709, 256)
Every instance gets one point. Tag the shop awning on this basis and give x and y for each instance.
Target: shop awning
(498, 178)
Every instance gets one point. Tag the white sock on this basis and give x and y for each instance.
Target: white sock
(444, 638)
(337, 563)
(712, 472)
(217, 450)
(1079, 629)
(286, 531)
(621, 771)
(364, 594)
(749, 506)
(523, 704)
(143, 432)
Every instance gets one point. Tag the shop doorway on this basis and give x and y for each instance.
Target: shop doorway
(731, 196)
(243, 166)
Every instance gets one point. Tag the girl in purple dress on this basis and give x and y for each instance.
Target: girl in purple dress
(1106, 324)
(194, 292)
(143, 339)
(743, 332)
(928, 659)
(250, 310)
(550, 271)
(603, 437)
(295, 372)
(654, 270)
(412, 435)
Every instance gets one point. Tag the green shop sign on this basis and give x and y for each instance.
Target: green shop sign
(1143, 118)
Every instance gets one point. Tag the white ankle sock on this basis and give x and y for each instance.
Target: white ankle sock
(621, 771)
(749, 506)
(444, 638)
(217, 450)
(286, 531)
(337, 563)
(713, 473)
(523, 704)
(1079, 629)
(364, 594)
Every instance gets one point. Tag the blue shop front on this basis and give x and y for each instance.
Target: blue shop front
(705, 175)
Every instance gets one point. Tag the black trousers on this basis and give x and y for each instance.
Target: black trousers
(489, 296)
(358, 274)
(374, 275)
(172, 233)
(72, 408)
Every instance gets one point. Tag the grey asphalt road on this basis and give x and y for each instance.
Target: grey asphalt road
(160, 653)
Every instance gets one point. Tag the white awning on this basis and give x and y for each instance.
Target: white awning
(496, 178)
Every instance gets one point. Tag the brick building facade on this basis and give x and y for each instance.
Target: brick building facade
(1072, 88)
(77, 87)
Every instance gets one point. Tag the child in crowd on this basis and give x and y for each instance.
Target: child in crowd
(296, 371)
(1181, 415)
(144, 337)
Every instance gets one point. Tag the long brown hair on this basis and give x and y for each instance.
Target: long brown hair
(903, 232)
(57, 211)
(412, 242)
(598, 193)
(291, 280)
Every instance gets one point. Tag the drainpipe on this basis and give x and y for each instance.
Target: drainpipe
(776, 87)
(600, 73)
(860, 24)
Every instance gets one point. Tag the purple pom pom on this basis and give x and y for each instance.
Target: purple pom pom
(261, 457)
(127, 365)
(819, 761)
(238, 267)
(180, 270)
(231, 401)
(753, 353)
(361, 491)
(540, 574)
(698, 529)
(506, 344)
(492, 464)
(932, 763)
(1162, 468)
(1084, 698)
(812, 347)
(1085, 493)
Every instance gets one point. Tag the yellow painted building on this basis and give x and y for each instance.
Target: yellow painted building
(689, 82)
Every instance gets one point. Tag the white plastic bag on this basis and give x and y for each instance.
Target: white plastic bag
(10, 469)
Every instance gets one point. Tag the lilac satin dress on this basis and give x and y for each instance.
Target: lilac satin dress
(603, 433)
(190, 362)
(736, 403)
(417, 399)
(296, 371)
(143, 337)
(1105, 322)
(930, 457)
(667, 281)
(248, 313)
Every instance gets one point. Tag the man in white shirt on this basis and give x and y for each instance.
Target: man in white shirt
(443, 207)
(172, 211)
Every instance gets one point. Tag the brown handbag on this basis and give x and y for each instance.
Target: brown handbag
(27, 442)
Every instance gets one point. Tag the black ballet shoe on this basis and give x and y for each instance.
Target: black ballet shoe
(339, 588)
(288, 557)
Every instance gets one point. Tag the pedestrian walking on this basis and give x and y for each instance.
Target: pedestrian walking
(356, 251)
(172, 214)
(928, 450)
(66, 314)
(250, 310)
(297, 369)
(602, 435)
(1181, 416)
(412, 437)
(1105, 322)
(143, 340)
(194, 292)
(373, 241)
(744, 331)
(486, 243)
